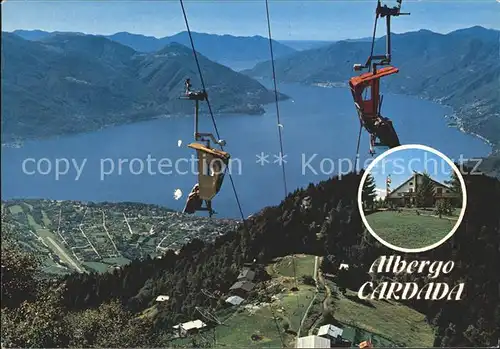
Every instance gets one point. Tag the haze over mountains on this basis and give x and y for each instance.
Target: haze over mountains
(460, 69)
(67, 83)
(302, 45)
(224, 49)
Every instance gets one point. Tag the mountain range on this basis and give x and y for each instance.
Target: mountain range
(70, 82)
(460, 69)
(224, 49)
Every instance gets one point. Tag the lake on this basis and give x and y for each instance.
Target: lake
(320, 127)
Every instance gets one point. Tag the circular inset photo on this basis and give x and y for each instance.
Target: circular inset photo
(412, 198)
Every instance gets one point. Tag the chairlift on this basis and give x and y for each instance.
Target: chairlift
(369, 108)
(212, 163)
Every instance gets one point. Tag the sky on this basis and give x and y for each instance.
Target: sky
(401, 164)
(290, 19)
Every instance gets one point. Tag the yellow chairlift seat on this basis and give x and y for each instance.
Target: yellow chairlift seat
(210, 169)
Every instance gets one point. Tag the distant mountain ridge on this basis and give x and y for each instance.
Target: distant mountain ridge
(460, 69)
(301, 45)
(65, 83)
(222, 49)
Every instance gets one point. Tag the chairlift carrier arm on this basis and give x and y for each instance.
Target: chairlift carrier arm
(383, 11)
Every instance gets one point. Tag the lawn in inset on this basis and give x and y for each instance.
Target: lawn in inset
(409, 230)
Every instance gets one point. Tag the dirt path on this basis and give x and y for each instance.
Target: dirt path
(315, 276)
(128, 225)
(326, 300)
(328, 291)
(107, 233)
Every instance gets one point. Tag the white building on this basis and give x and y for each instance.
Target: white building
(162, 298)
(331, 332)
(188, 327)
(313, 342)
(234, 300)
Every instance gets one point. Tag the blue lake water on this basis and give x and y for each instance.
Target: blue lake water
(317, 122)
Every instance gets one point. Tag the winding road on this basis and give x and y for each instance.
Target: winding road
(315, 276)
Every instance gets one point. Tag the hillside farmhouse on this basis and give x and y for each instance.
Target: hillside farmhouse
(241, 288)
(246, 275)
(189, 327)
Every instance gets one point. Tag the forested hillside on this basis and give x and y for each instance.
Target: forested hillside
(321, 220)
(68, 83)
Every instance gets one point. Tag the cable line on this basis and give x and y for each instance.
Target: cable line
(276, 96)
(210, 107)
(366, 92)
(279, 129)
(218, 136)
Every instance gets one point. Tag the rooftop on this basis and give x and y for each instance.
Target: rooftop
(246, 274)
(191, 324)
(162, 298)
(244, 285)
(413, 177)
(330, 330)
(235, 300)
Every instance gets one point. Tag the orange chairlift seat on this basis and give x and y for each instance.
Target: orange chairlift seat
(368, 108)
